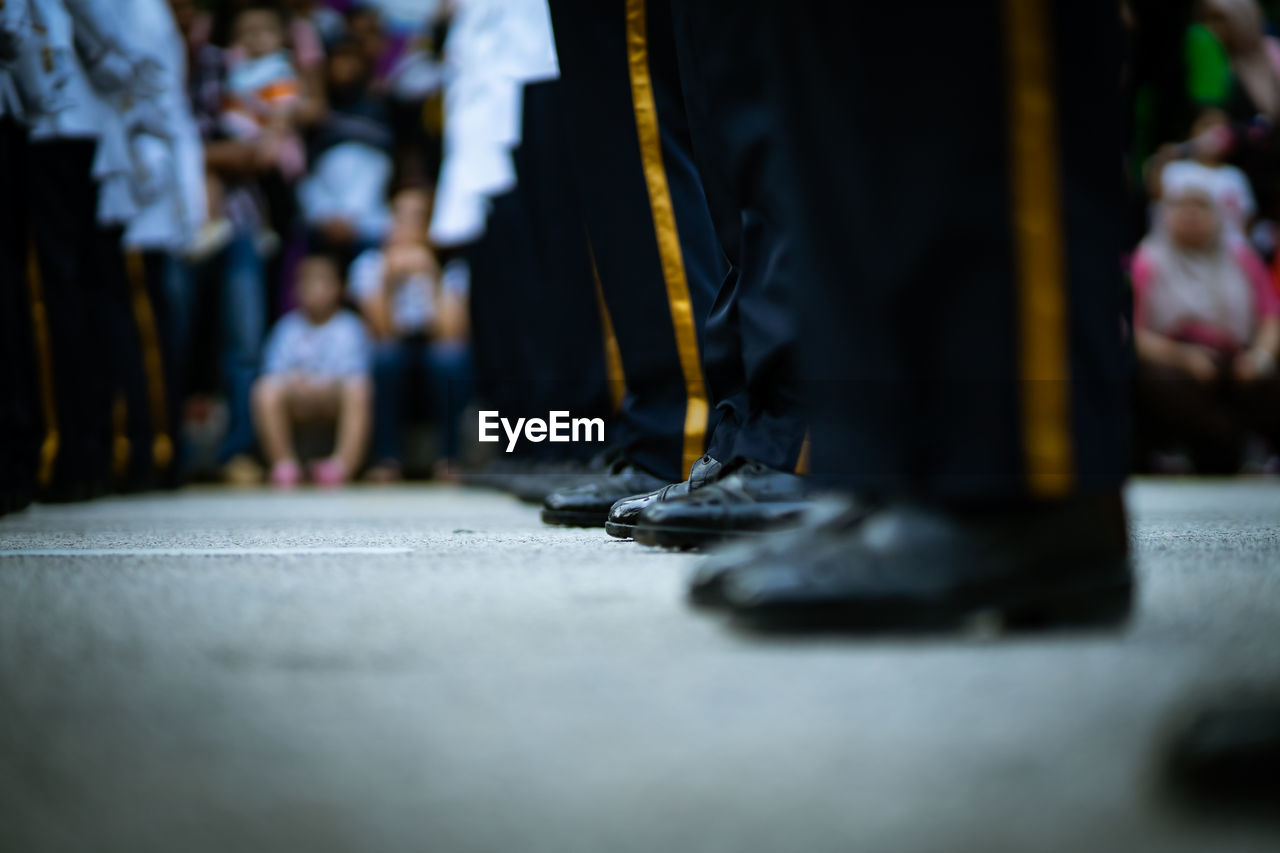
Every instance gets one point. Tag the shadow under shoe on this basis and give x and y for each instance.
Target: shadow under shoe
(624, 514)
(915, 567)
(542, 479)
(748, 498)
(588, 505)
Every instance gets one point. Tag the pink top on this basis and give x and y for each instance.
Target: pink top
(1159, 307)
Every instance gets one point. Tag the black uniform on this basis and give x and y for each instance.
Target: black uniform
(957, 195)
(751, 330)
(537, 331)
(654, 245)
(71, 346)
(20, 417)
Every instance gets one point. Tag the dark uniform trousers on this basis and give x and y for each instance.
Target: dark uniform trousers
(957, 191)
(143, 410)
(20, 416)
(73, 361)
(654, 244)
(538, 331)
(751, 328)
(75, 390)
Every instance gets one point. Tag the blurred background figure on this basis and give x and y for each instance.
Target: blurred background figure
(315, 377)
(1208, 330)
(420, 330)
(200, 150)
(344, 198)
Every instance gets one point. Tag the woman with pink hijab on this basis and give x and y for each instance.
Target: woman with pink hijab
(1207, 317)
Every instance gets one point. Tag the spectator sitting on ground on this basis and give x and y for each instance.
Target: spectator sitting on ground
(420, 328)
(315, 374)
(1208, 331)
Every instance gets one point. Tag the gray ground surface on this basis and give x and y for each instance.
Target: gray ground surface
(501, 686)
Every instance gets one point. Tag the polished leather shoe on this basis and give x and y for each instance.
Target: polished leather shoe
(1227, 758)
(588, 505)
(747, 498)
(916, 567)
(826, 514)
(624, 513)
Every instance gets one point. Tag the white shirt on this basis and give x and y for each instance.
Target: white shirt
(412, 304)
(15, 29)
(494, 47)
(169, 180)
(349, 182)
(335, 349)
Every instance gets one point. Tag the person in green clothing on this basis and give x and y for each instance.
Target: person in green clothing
(1178, 68)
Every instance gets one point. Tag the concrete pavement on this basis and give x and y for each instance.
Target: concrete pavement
(431, 669)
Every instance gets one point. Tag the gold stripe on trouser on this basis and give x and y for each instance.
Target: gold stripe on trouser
(1038, 237)
(121, 448)
(664, 226)
(802, 463)
(152, 361)
(613, 373)
(44, 367)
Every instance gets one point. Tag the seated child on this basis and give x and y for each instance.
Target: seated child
(1207, 319)
(419, 323)
(315, 372)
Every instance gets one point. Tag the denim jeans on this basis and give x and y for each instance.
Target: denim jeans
(440, 370)
(238, 273)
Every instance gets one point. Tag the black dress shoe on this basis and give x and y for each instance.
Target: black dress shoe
(624, 513)
(826, 514)
(913, 567)
(588, 505)
(1228, 758)
(747, 498)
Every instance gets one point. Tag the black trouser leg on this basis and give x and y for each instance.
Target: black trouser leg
(561, 315)
(959, 222)
(130, 420)
(652, 235)
(62, 198)
(19, 406)
(719, 44)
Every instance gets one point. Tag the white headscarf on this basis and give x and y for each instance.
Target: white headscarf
(1204, 287)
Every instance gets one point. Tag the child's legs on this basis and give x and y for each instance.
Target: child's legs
(355, 414)
(448, 366)
(273, 418)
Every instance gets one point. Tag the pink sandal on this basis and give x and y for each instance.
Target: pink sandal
(286, 474)
(329, 473)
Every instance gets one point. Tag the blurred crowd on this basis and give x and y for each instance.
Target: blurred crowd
(241, 238)
(1205, 167)
(217, 243)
